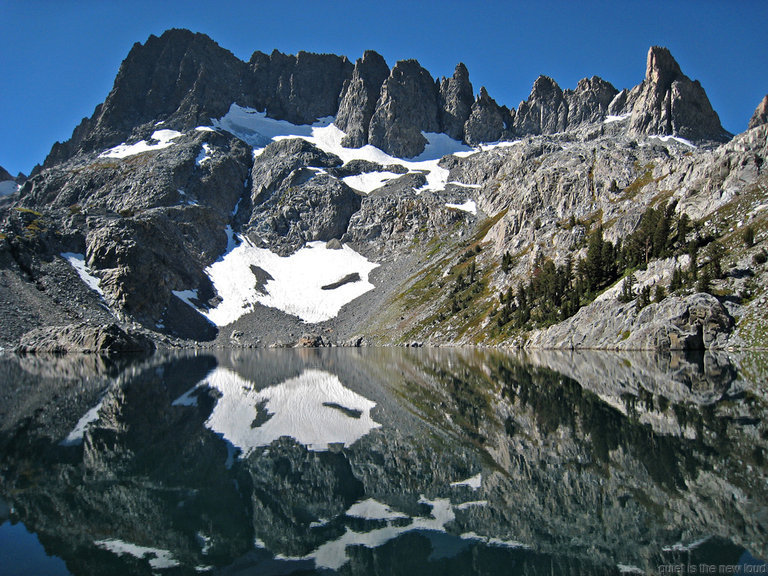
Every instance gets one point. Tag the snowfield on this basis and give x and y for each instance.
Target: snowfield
(206, 153)
(369, 181)
(468, 206)
(314, 408)
(296, 284)
(158, 558)
(256, 129)
(163, 139)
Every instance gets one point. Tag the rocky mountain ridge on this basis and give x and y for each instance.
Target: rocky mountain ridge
(186, 79)
(213, 200)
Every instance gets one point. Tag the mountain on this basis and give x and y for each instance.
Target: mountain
(9, 184)
(306, 198)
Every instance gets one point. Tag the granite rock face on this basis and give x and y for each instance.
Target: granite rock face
(589, 102)
(760, 116)
(456, 99)
(186, 79)
(300, 88)
(359, 97)
(181, 77)
(694, 322)
(408, 106)
(667, 102)
(545, 111)
(487, 122)
(294, 199)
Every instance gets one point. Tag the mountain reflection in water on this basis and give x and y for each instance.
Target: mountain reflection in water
(388, 461)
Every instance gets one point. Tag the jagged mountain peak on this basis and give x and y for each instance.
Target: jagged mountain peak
(359, 96)
(667, 102)
(544, 85)
(760, 116)
(371, 57)
(661, 67)
(456, 97)
(185, 79)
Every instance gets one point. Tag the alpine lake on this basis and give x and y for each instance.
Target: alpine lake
(384, 461)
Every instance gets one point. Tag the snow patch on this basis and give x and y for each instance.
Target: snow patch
(485, 148)
(333, 555)
(189, 398)
(254, 128)
(455, 183)
(76, 436)
(257, 130)
(373, 510)
(158, 559)
(610, 119)
(474, 482)
(628, 569)
(675, 139)
(77, 261)
(494, 541)
(206, 153)
(680, 547)
(472, 504)
(163, 139)
(369, 181)
(295, 286)
(315, 409)
(468, 206)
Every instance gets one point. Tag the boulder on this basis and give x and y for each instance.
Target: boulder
(294, 201)
(310, 341)
(105, 339)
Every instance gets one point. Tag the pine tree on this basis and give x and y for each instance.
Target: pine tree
(748, 236)
(704, 283)
(693, 252)
(677, 280)
(644, 298)
(715, 253)
(506, 262)
(627, 289)
(683, 227)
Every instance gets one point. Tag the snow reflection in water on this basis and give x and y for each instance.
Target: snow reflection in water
(314, 408)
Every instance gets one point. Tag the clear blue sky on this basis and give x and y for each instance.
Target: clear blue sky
(58, 58)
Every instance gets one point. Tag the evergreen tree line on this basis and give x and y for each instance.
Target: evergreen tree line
(555, 293)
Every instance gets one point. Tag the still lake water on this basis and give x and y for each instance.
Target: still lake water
(384, 461)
